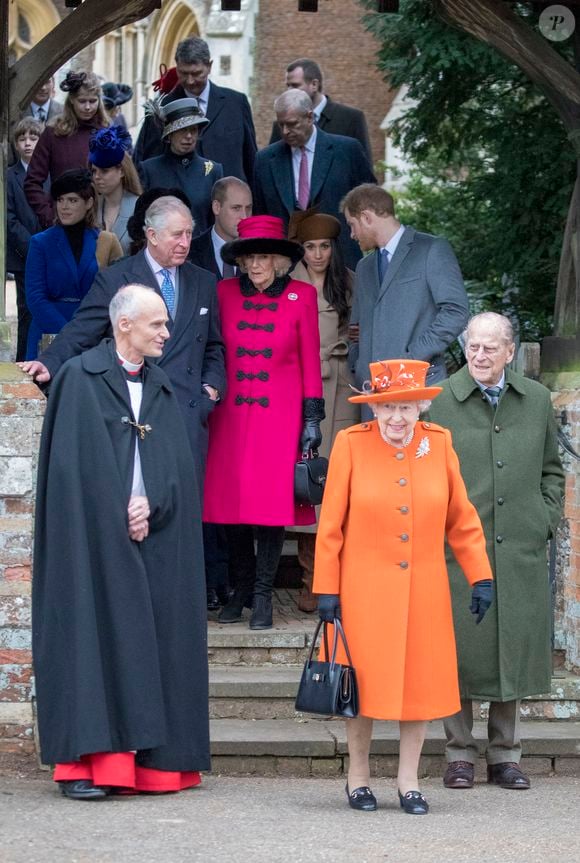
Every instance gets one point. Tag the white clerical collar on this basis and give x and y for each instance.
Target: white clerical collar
(319, 109)
(130, 367)
(156, 266)
(310, 143)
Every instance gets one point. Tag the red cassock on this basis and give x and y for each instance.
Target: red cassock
(119, 770)
(272, 364)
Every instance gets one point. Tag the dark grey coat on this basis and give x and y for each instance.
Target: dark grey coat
(417, 312)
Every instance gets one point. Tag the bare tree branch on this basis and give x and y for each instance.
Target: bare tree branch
(94, 18)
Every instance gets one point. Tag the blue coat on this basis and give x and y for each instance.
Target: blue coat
(55, 283)
(340, 164)
(22, 221)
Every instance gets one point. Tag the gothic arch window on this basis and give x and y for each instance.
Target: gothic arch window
(177, 20)
(29, 21)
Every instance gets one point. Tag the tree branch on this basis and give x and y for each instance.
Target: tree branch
(94, 18)
(493, 22)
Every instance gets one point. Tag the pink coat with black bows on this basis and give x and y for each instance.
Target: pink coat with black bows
(272, 364)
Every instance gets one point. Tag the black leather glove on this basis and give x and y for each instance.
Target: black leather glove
(481, 598)
(329, 607)
(313, 413)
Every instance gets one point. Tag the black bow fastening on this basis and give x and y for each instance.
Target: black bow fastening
(263, 401)
(140, 429)
(261, 376)
(248, 305)
(244, 325)
(265, 352)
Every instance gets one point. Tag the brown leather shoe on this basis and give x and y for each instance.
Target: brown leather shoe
(507, 775)
(459, 774)
(307, 602)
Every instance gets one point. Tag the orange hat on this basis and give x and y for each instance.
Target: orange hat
(396, 381)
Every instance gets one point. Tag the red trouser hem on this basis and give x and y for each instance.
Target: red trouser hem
(119, 770)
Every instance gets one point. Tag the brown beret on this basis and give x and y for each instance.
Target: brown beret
(308, 225)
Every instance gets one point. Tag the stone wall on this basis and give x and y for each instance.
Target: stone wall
(21, 412)
(334, 37)
(566, 399)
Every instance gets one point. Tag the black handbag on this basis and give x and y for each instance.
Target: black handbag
(327, 687)
(309, 478)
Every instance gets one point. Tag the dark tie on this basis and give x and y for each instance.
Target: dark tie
(41, 115)
(383, 264)
(229, 271)
(493, 394)
(168, 291)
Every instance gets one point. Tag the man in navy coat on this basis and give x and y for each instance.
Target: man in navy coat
(229, 138)
(22, 222)
(308, 168)
(231, 201)
(193, 358)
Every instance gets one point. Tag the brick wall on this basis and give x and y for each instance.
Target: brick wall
(21, 411)
(566, 388)
(335, 38)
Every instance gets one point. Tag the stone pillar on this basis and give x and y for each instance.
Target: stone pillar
(21, 412)
(565, 388)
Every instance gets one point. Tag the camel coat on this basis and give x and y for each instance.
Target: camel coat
(336, 374)
(381, 546)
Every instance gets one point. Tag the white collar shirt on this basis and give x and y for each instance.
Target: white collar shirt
(157, 269)
(309, 147)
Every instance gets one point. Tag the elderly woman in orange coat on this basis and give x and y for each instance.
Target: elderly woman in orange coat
(394, 494)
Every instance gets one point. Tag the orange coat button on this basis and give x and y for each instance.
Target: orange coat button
(404, 565)
(402, 482)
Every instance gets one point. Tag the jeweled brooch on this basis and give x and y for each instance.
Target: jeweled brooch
(423, 448)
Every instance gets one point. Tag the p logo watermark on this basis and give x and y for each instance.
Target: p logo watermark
(557, 23)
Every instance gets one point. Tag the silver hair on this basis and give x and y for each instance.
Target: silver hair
(293, 100)
(159, 211)
(128, 302)
(501, 324)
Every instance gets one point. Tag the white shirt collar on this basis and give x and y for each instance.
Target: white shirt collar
(310, 143)
(391, 246)
(156, 266)
(35, 107)
(500, 383)
(320, 108)
(24, 164)
(203, 97)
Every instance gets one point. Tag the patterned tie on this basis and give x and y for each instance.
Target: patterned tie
(303, 181)
(383, 264)
(168, 291)
(493, 394)
(41, 115)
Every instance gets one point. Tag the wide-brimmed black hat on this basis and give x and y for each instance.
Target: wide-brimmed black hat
(264, 235)
(115, 95)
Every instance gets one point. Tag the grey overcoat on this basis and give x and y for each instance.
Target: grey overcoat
(417, 311)
(509, 461)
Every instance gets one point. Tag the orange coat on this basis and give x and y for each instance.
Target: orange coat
(380, 545)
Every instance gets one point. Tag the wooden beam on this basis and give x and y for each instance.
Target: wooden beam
(93, 19)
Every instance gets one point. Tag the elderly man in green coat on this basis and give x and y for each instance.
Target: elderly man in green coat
(504, 433)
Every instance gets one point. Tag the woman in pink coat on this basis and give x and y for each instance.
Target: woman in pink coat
(270, 414)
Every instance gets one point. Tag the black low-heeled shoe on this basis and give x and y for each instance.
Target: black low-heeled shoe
(413, 803)
(83, 789)
(361, 799)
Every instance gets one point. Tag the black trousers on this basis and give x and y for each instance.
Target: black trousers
(215, 550)
(249, 570)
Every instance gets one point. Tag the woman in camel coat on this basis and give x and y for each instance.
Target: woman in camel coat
(323, 266)
(394, 493)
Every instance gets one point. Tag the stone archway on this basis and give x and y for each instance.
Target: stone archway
(29, 22)
(177, 20)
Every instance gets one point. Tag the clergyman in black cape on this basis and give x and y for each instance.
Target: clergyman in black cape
(119, 607)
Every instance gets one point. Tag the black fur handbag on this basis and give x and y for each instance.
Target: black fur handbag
(309, 478)
(327, 687)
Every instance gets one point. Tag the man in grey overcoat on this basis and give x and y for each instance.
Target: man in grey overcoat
(409, 299)
(504, 433)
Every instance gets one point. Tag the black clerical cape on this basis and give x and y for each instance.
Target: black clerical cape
(119, 627)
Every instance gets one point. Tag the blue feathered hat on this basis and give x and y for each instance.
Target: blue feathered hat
(108, 146)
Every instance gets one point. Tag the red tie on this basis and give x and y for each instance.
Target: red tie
(303, 182)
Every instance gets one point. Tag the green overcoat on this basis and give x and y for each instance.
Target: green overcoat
(512, 471)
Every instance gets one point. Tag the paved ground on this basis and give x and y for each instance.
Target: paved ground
(300, 820)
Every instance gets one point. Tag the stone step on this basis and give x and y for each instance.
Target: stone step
(287, 643)
(268, 692)
(307, 747)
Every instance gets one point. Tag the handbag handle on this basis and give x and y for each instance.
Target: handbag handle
(309, 454)
(338, 630)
